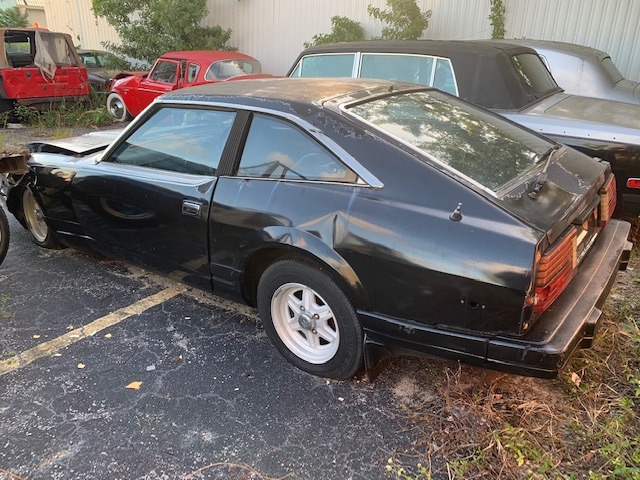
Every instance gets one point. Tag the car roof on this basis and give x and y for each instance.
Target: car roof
(281, 93)
(573, 49)
(483, 70)
(429, 47)
(206, 56)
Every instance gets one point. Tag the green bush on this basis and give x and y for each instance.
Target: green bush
(404, 19)
(343, 29)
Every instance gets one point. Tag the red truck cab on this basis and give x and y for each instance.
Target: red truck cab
(38, 67)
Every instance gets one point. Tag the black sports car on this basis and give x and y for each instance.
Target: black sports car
(363, 218)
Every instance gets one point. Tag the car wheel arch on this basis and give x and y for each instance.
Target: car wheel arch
(275, 243)
(14, 200)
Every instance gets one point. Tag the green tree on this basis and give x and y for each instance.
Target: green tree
(404, 19)
(12, 17)
(343, 29)
(496, 18)
(149, 28)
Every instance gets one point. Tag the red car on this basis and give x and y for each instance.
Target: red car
(132, 93)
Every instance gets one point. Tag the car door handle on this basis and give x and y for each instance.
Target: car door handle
(191, 208)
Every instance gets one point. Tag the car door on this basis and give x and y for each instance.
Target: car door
(287, 188)
(163, 78)
(147, 201)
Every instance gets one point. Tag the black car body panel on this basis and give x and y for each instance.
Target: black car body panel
(430, 260)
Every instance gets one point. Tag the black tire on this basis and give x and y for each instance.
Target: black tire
(324, 338)
(4, 234)
(41, 234)
(117, 108)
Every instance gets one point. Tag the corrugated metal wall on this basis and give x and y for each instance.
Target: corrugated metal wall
(274, 31)
(76, 18)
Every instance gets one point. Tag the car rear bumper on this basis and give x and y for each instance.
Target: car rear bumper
(571, 323)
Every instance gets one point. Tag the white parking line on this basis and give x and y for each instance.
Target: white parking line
(58, 343)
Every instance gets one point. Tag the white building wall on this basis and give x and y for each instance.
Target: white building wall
(76, 18)
(274, 31)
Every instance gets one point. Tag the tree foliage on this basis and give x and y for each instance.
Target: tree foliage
(149, 28)
(13, 18)
(496, 18)
(343, 29)
(404, 19)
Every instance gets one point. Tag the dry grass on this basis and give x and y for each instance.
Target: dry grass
(585, 424)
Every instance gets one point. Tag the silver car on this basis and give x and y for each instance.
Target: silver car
(585, 71)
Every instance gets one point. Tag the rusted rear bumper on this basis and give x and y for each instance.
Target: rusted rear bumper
(571, 323)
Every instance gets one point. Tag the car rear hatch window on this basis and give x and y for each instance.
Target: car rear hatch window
(533, 76)
(474, 144)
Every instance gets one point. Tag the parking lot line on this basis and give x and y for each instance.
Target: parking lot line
(73, 336)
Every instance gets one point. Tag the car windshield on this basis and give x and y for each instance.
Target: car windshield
(476, 144)
(533, 76)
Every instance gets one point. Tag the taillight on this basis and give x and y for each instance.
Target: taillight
(608, 195)
(555, 270)
(633, 182)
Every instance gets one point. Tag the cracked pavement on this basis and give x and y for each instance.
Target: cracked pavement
(216, 400)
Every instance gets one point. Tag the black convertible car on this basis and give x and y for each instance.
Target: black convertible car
(363, 218)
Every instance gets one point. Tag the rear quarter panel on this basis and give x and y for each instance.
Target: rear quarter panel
(395, 246)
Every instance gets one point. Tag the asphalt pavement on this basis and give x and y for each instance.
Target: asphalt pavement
(111, 372)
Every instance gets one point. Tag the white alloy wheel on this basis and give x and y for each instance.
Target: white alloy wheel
(305, 323)
(34, 216)
(309, 318)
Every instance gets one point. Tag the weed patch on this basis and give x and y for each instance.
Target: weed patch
(90, 114)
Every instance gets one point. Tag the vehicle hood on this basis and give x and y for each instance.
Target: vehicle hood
(582, 117)
(127, 78)
(572, 184)
(76, 146)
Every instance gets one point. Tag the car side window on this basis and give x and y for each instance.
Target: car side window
(192, 72)
(326, 65)
(423, 69)
(402, 68)
(280, 150)
(184, 140)
(443, 78)
(166, 72)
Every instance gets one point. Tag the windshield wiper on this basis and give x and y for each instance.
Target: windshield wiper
(542, 178)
